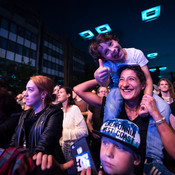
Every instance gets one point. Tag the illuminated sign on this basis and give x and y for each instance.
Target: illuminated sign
(103, 29)
(151, 14)
(86, 34)
(162, 68)
(152, 69)
(158, 68)
(152, 55)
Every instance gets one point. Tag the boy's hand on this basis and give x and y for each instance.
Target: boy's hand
(102, 74)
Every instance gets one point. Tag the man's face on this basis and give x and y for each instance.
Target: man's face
(115, 157)
(103, 92)
(111, 50)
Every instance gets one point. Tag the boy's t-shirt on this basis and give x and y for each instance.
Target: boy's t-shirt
(135, 56)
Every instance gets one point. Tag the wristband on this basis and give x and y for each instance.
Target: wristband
(158, 122)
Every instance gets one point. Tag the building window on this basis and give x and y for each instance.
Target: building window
(27, 35)
(26, 52)
(32, 54)
(13, 28)
(11, 46)
(3, 43)
(33, 38)
(20, 31)
(19, 49)
(4, 24)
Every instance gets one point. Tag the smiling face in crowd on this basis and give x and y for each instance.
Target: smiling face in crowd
(111, 50)
(130, 85)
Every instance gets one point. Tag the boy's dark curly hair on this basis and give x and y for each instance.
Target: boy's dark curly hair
(93, 47)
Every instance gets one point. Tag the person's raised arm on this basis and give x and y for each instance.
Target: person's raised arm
(84, 91)
(149, 83)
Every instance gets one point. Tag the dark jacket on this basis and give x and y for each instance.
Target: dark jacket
(7, 129)
(44, 134)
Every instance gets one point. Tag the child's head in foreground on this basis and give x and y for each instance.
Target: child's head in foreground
(119, 146)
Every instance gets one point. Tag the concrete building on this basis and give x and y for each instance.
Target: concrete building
(25, 41)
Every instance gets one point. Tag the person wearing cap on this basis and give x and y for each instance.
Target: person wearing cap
(155, 132)
(119, 147)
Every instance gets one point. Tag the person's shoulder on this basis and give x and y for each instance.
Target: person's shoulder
(54, 108)
(160, 102)
(75, 107)
(133, 50)
(26, 113)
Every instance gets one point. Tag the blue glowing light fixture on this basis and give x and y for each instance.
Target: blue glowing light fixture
(86, 34)
(152, 55)
(152, 69)
(151, 14)
(162, 68)
(105, 28)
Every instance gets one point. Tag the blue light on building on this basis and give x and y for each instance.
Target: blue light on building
(152, 55)
(162, 68)
(151, 14)
(105, 28)
(86, 34)
(152, 69)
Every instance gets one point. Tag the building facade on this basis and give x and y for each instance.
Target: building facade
(25, 43)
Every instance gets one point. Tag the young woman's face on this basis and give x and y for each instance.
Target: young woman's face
(63, 96)
(56, 90)
(32, 95)
(111, 50)
(115, 157)
(164, 86)
(130, 85)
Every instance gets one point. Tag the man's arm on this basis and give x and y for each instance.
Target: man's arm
(89, 124)
(89, 121)
(84, 91)
(149, 83)
(84, 113)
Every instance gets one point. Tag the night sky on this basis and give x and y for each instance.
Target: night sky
(67, 17)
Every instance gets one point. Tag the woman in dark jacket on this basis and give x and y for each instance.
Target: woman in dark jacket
(40, 127)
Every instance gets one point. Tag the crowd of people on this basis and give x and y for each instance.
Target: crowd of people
(128, 122)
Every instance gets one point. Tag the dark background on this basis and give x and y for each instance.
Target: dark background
(68, 18)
